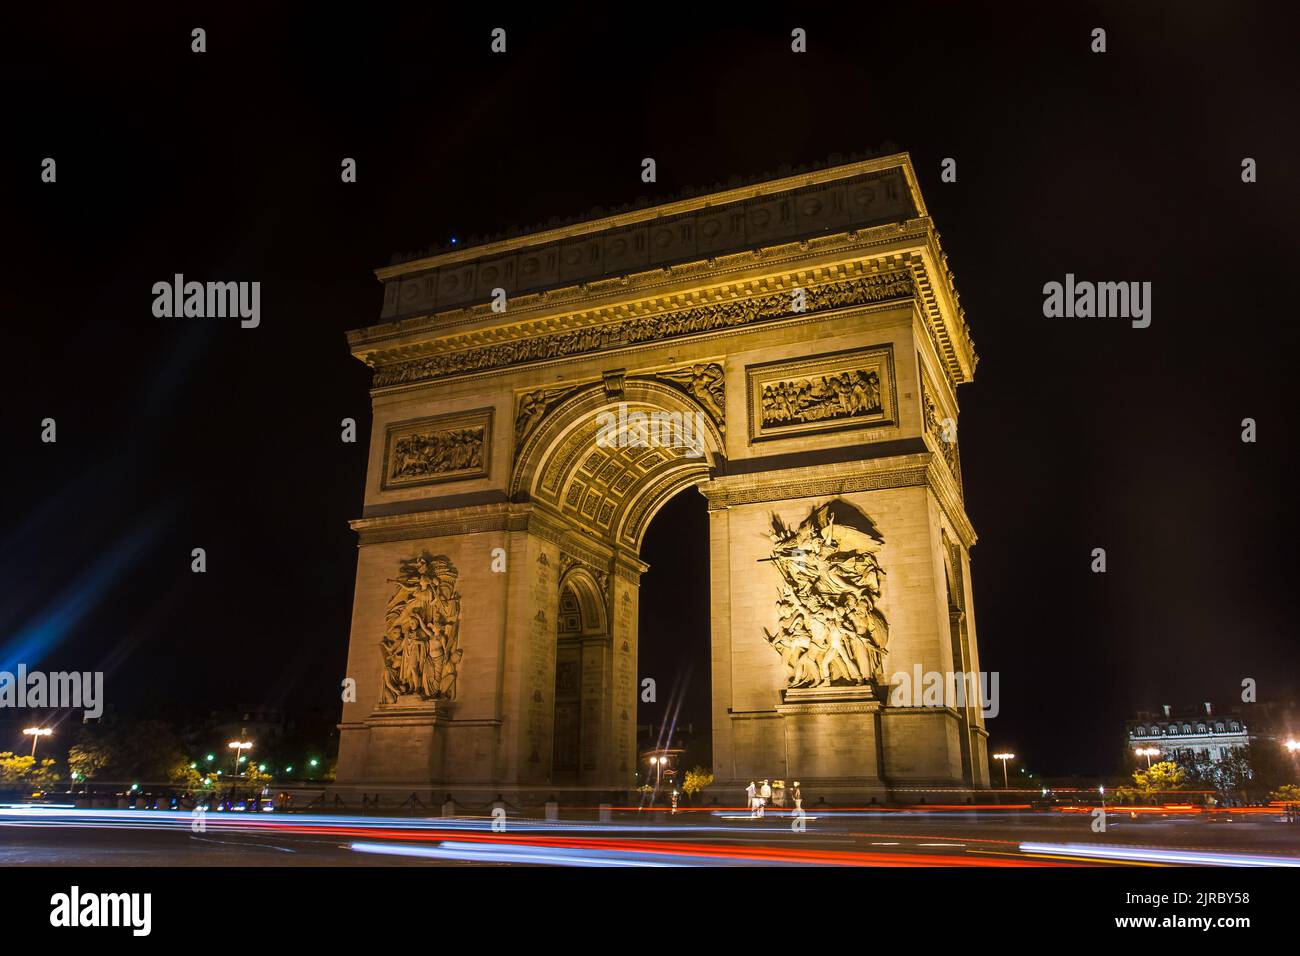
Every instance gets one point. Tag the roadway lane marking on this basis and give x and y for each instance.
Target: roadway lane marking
(267, 846)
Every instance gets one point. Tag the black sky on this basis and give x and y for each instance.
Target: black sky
(1076, 434)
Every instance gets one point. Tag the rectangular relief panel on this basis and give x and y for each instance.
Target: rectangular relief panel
(426, 451)
(823, 393)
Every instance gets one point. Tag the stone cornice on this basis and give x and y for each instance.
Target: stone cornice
(826, 481)
(817, 481)
(528, 343)
(437, 523)
(647, 291)
(428, 344)
(900, 161)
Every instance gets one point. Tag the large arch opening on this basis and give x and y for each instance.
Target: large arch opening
(597, 468)
(674, 647)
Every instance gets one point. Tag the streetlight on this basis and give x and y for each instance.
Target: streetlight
(1293, 746)
(1147, 752)
(237, 746)
(1004, 758)
(37, 733)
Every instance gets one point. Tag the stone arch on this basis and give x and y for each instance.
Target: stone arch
(959, 641)
(590, 598)
(610, 485)
(581, 653)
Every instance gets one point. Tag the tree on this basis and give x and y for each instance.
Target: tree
(1287, 793)
(1246, 773)
(26, 772)
(1160, 777)
(697, 778)
(185, 776)
(87, 758)
(254, 779)
(127, 750)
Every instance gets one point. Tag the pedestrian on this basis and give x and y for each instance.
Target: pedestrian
(751, 793)
(764, 795)
(798, 798)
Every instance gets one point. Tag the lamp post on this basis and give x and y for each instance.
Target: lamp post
(1004, 758)
(238, 746)
(37, 733)
(1147, 752)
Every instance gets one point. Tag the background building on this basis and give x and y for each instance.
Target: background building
(1211, 732)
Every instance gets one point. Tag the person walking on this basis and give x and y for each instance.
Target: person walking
(764, 795)
(797, 794)
(751, 793)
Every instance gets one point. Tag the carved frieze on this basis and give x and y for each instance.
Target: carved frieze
(442, 448)
(852, 389)
(712, 317)
(941, 428)
(421, 649)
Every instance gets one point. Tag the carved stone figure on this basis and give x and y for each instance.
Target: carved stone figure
(532, 408)
(705, 383)
(944, 437)
(830, 630)
(420, 648)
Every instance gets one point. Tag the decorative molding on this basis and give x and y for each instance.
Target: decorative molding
(840, 707)
(457, 355)
(437, 523)
(426, 451)
(823, 393)
(613, 381)
(821, 481)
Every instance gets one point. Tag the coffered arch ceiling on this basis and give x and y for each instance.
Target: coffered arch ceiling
(596, 463)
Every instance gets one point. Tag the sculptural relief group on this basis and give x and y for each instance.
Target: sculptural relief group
(831, 631)
(421, 647)
(821, 398)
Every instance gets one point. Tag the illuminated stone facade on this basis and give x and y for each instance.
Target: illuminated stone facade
(805, 335)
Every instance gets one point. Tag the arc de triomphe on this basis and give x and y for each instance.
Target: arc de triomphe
(793, 350)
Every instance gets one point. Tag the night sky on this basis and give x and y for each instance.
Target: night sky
(1076, 433)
